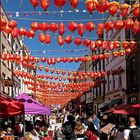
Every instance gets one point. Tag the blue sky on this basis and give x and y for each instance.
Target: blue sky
(34, 44)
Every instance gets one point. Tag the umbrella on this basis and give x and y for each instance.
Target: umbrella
(10, 107)
(136, 106)
(125, 109)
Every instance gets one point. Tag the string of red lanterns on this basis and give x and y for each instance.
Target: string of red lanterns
(11, 28)
(101, 6)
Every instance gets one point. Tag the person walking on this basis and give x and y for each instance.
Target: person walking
(68, 128)
(132, 132)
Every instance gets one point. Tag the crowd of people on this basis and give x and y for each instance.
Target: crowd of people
(73, 127)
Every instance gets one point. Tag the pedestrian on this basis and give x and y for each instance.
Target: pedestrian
(120, 132)
(132, 132)
(91, 133)
(96, 121)
(68, 128)
(79, 129)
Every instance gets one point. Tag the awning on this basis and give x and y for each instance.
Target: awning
(9, 107)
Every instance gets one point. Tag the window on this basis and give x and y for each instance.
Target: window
(108, 83)
(3, 77)
(120, 81)
(113, 80)
(132, 71)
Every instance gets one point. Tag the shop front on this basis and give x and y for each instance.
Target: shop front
(115, 98)
(89, 103)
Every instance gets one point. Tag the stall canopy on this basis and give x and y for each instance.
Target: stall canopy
(31, 106)
(124, 109)
(9, 107)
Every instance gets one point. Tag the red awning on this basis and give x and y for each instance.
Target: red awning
(9, 107)
(124, 109)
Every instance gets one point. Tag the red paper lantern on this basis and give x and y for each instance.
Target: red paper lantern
(4, 56)
(128, 24)
(92, 45)
(78, 41)
(49, 61)
(74, 3)
(105, 45)
(82, 59)
(64, 59)
(63, 72)
(124, 8)
(43, 59)
(52, 71)
(118, 25)
(102, 6)
(15, 32)
(40, 67)
(98, 43)
(34, 3)
(100, 29)
(61, 28)
(115, 54)
(81, 29)
(70, 59)
(111, 45)
(72, 26)
(12, 24)
(53, 61)
(113, 7)
(76, 59)
(58, 60)
(90, 26)
(117, 44)
(125, 44)
(53, 27)
(91, 5)
(46, 69)
(136, 10)
(132, 44)
(57, 71)
(22, 32)
(45, 4)
(60, 3)
(106, 55)
(86, 42)
(136, 27)
(108, 25)
(3, 22)
(48, 39)
(42, 37)
(128, 51)
(60, 40)
(68, 39)
(36, 59)
(94, 57)
(43, 26)
(122, 53)
(30, 34)
(7, 30)
(35, 26)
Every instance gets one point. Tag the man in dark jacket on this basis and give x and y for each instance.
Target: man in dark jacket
(68, 128)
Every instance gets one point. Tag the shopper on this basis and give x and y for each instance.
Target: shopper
(132, 132)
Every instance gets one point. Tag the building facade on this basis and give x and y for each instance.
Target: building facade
(10, 84)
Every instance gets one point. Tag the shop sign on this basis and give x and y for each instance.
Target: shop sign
(89, 97)
(114, 96)
(7, 83)
(99, 99)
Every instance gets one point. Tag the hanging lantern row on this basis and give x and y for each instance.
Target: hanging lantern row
(66, 88)
(27, 61)
(11, 28)
(101, 6)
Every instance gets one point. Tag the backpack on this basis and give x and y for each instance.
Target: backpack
(134, 134)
